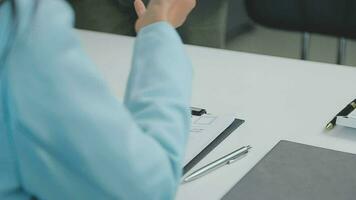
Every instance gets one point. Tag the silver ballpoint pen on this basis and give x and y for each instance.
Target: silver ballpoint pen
(228, 159)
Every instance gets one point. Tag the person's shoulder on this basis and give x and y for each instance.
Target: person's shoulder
(43, 27)
(35, 14)
(5, 18)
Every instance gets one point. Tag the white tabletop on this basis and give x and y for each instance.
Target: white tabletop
(279, 99)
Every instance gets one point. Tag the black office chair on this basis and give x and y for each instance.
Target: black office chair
(330, 17)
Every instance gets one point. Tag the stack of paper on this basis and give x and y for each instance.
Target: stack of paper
(204, 130)
(349, 120)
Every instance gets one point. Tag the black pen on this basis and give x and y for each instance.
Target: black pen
(344, 112)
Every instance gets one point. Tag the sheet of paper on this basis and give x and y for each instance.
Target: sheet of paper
(352, 114)
(349, 121)
(204, 130)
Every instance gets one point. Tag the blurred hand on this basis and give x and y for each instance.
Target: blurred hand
(174, 12)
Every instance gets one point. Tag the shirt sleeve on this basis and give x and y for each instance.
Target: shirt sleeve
(73, 139)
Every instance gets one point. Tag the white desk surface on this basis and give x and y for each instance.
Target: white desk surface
(279, 99)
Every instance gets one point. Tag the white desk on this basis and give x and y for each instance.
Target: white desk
(279, 99)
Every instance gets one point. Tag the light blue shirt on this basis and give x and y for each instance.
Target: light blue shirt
(64, 134)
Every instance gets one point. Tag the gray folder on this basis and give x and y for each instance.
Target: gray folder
(293, 171)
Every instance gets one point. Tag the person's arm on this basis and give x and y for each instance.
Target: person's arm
(72, 138)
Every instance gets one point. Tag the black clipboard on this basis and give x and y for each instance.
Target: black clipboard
(221, 137)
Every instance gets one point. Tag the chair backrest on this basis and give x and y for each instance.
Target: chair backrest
(331, 17)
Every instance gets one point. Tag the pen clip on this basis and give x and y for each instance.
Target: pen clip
(232, 161)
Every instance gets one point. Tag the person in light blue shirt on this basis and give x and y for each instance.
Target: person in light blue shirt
(64, 134)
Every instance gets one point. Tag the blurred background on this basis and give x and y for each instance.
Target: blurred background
(316, 30)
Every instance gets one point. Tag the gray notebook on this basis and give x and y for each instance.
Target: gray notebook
(292, 171)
